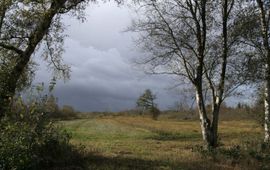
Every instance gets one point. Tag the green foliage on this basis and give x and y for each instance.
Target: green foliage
(146, 103)
(49, 104)
(29, 140)
(146, 100)
(66, 113)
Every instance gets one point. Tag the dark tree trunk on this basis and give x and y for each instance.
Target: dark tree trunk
(10, 84)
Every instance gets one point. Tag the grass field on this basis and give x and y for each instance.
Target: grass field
(125, 142)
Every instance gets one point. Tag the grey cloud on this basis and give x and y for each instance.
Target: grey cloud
(99, 54)
(104, 80)
(103, 28)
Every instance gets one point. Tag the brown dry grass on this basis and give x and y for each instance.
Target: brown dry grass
(125, 142)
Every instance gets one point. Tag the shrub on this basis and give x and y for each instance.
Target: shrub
(29, 140)
(252, 154)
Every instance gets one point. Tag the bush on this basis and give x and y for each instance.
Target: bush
(28, 140)
(252, 154)
(259, 151)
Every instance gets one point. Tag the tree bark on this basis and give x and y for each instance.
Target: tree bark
(206, 127)
(204, 120)
(7, 93)
(217, 96)
(209, 129)
(267, 105)
(214, 127)
(265, 35)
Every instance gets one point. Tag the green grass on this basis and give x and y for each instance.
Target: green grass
(141, 143)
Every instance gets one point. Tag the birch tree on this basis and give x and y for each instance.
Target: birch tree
(256, 16)
(194, 40)
(264, 10)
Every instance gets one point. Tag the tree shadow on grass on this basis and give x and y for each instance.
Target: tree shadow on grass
(119, 163)
(168, 136)
(98, 162)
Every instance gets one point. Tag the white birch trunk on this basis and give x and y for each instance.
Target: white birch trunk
(203, 119)
(267, 106)
(265, 34)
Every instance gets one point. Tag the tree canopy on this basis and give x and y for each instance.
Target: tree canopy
(198, 42)
(146, 100)
(25, 26)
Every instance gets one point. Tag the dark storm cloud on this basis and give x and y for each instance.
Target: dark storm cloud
(99, 54)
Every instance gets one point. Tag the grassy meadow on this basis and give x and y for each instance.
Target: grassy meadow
(134, 142)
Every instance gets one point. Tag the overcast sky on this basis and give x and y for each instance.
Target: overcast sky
(100, 54)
